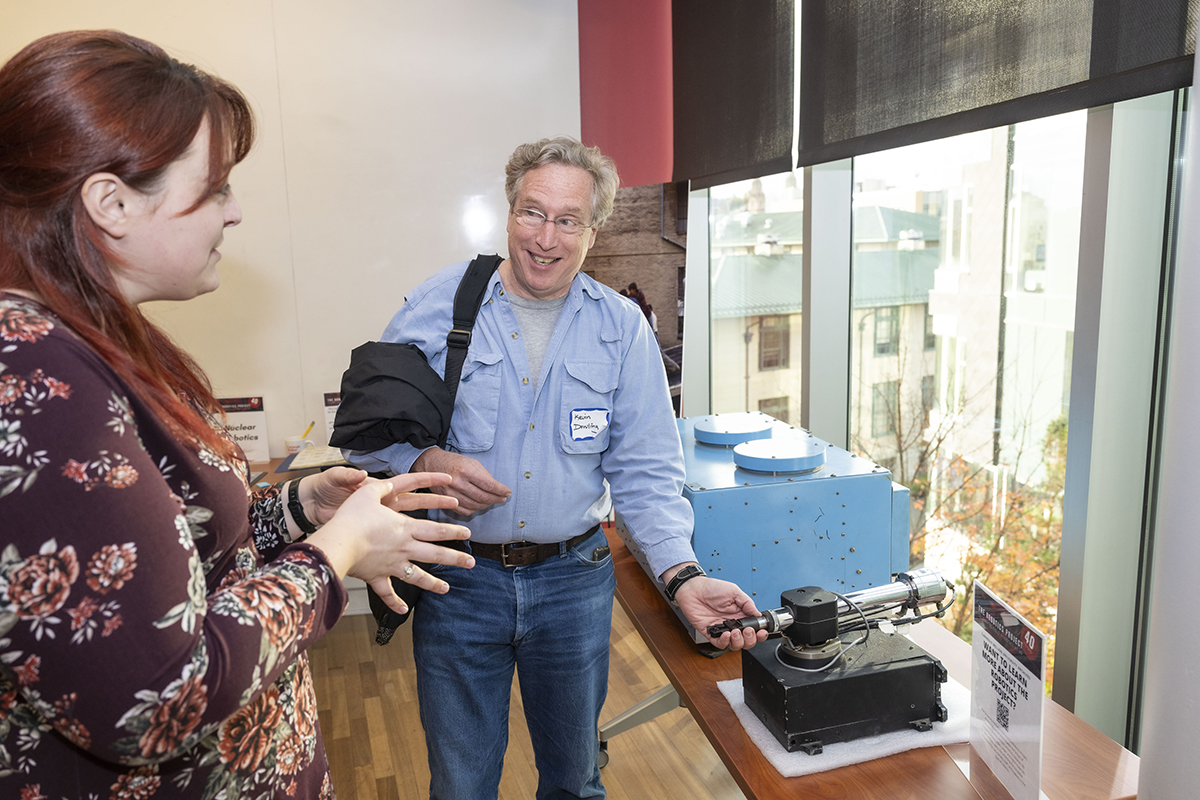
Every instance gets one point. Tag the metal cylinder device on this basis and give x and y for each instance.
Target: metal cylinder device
(910, 590)
(914, 588)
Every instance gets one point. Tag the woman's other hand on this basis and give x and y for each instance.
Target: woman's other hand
(368, 539)
(322, 494)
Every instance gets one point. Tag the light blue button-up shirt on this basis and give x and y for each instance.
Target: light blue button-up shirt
(599, 429)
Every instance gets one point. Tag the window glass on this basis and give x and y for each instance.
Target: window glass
(964, 265)
(885, 408)
(776, 407)
(756, 261)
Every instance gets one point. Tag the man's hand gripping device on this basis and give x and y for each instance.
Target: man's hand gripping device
(812, 688)
(813, 619)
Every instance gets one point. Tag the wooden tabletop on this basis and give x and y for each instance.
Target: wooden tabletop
(1078, 762)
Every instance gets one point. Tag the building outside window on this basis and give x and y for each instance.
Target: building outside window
(776, 407)
(756, 259)
(887, 331)
(773, 342)
(928, 395)
(968, 405)
(885, 407)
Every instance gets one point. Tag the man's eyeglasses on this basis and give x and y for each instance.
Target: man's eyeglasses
(533, 219)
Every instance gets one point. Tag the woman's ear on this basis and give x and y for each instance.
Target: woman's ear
(108, 200)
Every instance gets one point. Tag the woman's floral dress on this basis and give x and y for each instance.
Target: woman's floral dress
(153, 613)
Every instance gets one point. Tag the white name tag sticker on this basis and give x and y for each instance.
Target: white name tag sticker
(588, 423)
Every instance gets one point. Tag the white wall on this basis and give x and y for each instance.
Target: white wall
(384, 129)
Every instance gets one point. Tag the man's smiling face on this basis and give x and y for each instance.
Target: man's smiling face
(543, 261)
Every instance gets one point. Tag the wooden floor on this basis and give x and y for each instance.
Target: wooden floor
(368, 706)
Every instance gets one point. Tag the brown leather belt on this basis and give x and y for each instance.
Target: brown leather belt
(522, 554)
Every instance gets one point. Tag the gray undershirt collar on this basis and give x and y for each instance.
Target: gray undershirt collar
(536, 319)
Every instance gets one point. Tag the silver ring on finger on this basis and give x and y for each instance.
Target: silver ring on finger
(408, 571)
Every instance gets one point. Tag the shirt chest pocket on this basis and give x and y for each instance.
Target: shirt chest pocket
(585, 416)
(477, 404)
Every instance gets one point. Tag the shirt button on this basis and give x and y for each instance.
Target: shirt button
(515, 334)
(520, 524)
(528, 474)
(502, 293)
(531, 426)
(524, 380)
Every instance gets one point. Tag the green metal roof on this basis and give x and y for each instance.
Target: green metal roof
(747, 285)
(893, 277)
(882, 224)
(871, 224)
(748, 230)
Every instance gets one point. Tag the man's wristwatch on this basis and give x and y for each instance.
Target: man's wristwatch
(683, 576)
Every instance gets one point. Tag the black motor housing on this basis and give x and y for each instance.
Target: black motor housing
(885, 684)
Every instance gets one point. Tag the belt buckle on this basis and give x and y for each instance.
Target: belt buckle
(520, 550)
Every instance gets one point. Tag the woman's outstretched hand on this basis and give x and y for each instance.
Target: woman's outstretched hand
(368, 538)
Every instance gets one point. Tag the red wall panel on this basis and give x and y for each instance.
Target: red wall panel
(625, 85)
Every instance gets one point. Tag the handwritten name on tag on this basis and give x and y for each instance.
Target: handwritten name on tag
(588, 423)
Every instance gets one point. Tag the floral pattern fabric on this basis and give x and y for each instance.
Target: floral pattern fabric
(153, 612)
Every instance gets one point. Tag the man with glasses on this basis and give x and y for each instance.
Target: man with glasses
(562, 411)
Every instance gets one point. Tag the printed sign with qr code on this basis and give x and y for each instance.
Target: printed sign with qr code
(1008, 665)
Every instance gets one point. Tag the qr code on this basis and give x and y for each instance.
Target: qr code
(1002, 714)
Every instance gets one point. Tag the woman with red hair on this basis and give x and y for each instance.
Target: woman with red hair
(154, 612)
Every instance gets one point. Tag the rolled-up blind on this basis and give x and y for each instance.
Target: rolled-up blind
(733, 68)
(877, 74)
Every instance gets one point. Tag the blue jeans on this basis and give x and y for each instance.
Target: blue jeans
(551, 622)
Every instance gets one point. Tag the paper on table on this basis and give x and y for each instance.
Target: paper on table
(311, 457)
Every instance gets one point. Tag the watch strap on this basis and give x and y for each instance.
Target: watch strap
(683, 576)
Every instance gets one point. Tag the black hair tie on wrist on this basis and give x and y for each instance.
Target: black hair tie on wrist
(294, 506)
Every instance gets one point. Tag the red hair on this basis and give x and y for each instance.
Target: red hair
(78, 103)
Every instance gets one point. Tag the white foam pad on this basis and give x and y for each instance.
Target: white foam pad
(956, 728)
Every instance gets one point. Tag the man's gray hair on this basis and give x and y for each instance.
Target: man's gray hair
(573, 153)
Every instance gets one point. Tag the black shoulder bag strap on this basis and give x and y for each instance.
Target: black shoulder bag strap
(467, 301)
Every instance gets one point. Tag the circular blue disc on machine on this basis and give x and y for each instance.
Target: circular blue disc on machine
(782, 454)
(731, 429)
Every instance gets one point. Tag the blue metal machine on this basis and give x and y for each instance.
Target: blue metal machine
(778, 508)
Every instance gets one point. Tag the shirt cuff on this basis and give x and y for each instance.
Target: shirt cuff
(668, 554)
(396, 459)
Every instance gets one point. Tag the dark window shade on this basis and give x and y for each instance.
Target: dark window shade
(733, 67)
(878, 74)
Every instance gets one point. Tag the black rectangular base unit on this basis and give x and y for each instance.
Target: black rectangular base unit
(883, 685)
